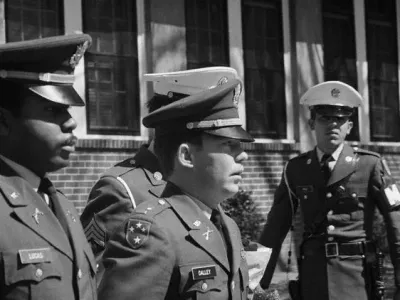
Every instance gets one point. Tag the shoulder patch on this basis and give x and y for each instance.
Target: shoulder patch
(365, 152)
(137, 232)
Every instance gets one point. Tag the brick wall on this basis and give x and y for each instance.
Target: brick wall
(262, 175)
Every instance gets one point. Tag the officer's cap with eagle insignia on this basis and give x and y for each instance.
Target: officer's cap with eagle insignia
(213, 111)
(332, 98)
(189, 82)
(45, 66)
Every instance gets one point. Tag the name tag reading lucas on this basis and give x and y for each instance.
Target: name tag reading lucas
(32, 256)
(205, 272)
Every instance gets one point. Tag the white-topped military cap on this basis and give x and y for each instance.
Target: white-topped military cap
(332, 93)
(190, 82)
(333, 98)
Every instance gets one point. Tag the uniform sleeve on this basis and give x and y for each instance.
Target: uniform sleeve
(108, 206)
(276, 228)
(137, 271)
(381, 183)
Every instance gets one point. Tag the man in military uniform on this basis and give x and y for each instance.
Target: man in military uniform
(43, 249)
(337, 188)
(182, 245)
(134, 180)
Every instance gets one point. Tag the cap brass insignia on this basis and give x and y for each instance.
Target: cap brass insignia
(80, 50)
(223, 80)
(236, 95)
(335, 93)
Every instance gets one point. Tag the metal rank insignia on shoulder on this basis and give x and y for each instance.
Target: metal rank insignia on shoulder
(137, 232)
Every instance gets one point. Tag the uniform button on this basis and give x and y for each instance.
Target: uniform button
(161, 202)
(132, 161)
(331, 227)
(39, 273)
(328, 195)
(330, 212)
(305, 196)
(157, 176)
(354, 195)
(204, 286)
(80, 274)
(330, 239)
(232, 285)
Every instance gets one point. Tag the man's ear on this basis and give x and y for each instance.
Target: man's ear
(4, 124)
(185, 156)
(350, 127)
(311, 123)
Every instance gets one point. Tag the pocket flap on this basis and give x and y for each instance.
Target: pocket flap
(15, 271)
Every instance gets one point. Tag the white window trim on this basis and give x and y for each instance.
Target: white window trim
(237, 62)
(73, 23)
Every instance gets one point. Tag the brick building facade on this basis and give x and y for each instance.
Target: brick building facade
(279, 47)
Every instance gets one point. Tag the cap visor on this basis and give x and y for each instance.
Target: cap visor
(57, 93)
(233, 132)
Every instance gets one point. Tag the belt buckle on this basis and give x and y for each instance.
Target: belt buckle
(331, 249)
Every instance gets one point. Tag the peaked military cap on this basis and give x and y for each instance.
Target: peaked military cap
(214, 111)
(45, 66)
(332, 98)
(189, 82)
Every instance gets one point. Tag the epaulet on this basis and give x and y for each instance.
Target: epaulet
(301, 156)
(365, 152)
(152, 207)
(121, 168)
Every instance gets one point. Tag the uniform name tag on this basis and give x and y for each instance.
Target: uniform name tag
(31, 256)
(305, 189)
(204, 272)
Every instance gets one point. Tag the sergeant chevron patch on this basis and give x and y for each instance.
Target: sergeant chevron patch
(95, 234)
(137, 232)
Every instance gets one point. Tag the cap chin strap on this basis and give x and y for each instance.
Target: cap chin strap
(51, 78)
(214, 123)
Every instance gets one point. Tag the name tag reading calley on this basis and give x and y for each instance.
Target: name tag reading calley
(204, 272)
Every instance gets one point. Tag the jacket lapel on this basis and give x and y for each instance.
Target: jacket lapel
(233, 237)
(76, 233)
(31, 209)
(345, 165)
(201, 230)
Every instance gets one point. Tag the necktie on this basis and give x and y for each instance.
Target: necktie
(48, 188)
(326, 171)
(216, 220)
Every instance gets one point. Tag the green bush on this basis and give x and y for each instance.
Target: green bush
(243, 210)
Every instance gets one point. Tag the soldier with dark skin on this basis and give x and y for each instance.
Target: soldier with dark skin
(337, 188)
(43, 249)
(140, 178)
(182, 245)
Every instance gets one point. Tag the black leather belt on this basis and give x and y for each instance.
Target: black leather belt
(348, 249)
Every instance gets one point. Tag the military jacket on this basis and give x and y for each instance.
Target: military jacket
(115, 195)
(39, 260)
(168, 249)
(339, 211)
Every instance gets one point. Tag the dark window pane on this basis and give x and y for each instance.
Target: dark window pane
(264, 71)
(32, 19)
(382, 70)
(206, 33)
(112, 67)
(340, 48)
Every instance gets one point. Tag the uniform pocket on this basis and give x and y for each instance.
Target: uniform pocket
(15, 271)
(202, 288)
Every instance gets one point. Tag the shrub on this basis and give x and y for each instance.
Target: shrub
(243, 210)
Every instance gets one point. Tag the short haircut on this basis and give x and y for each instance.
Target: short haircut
(167, 144)
(12, 96)
(158, 101)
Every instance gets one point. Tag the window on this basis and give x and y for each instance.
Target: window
(111, 66)
(32, 19)
(340, 47)
(264, 68)
(206, 33)
(382, 69)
